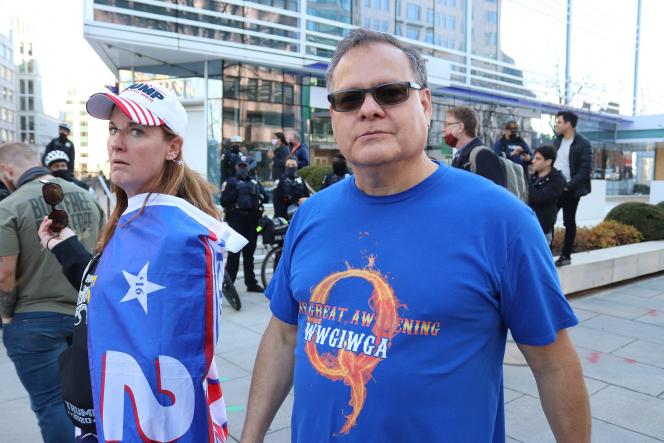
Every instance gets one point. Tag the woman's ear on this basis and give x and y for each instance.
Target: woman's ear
(174, 148)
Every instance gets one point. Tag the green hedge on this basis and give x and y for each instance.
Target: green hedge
(660, 204)
(314, 175)
(648, 219)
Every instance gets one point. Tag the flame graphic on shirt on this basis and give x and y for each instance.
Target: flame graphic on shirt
(353, 369)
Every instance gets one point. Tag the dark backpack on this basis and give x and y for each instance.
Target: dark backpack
(515, 176)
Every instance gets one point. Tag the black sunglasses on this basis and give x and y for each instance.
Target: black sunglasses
(53, 195)
(387, 94)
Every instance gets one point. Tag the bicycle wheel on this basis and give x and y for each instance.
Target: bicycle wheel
(270, 265)
(230, 293)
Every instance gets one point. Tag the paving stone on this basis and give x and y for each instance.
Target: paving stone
(584, 315)
(597, 340)
(233, 336)
(280, 436)
(236, 394)
(631, 410)
(12, 388)
(509, 439)
(525, 421)
(622, 372)
(522, 380)
(605, 432)
(609, 307)
(228, 370)
(244, 358)
(640, 290)
(653, 317)
(643, 352)
(627, 328)
(510, 395)
(632, 300)
(17, 422)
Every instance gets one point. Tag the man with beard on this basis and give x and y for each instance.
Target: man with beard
(62, 143)
(339, 171)
(58, 163)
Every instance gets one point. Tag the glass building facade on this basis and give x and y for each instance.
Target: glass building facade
(259, 67)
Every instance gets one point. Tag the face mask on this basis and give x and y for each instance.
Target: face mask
(290, 171)
(62, 137)
(451, 140)
(63, 174)
(338, 167)
(242, 172)
(235, 148)
(275, 141)
(513, 136)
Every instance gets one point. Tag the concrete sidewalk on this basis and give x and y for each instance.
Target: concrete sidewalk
(620, 341)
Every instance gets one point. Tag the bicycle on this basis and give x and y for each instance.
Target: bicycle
(230, 293)
(273, 231)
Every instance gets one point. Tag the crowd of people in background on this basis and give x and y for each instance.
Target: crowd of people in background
(48, 272)
(556, 176)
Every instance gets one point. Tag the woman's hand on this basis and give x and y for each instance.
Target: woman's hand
(50, 239)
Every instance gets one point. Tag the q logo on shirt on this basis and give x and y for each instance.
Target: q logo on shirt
(355, 369)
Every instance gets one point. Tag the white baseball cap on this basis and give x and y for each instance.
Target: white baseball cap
(236, 139)
(143, 103)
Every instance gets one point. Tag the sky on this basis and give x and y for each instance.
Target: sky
(532, 33)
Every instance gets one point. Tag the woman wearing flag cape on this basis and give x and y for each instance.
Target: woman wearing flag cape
(141, 367)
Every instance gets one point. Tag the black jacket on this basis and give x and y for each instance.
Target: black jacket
(74, 368)
(67, 147)
(488, 163)
(281, 153)
(543, 195)
(580, 164)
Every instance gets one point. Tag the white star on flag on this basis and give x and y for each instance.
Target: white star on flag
(140, 287)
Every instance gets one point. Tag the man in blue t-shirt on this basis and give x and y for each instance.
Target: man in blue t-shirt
(390, 311)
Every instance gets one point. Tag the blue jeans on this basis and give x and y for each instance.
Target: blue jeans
(34, 341)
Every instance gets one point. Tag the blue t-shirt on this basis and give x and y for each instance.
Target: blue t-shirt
(403, 303)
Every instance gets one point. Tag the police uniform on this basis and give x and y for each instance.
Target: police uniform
(242, 199)
(230, 157)
(287, 192)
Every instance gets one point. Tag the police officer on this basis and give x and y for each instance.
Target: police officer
(339, 171)
(242, 198)
(290, 190)
(62, 143)
(230, 157)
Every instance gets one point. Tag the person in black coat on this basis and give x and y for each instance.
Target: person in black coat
(545, 188)
(62, 143)
(574, 161)
(279, 155)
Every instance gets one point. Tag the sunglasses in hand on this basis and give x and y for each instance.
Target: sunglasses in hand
(387, 94)
(53, 195)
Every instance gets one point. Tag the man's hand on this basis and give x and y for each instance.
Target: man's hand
(525, 157)
(561, 388)
(272, 379)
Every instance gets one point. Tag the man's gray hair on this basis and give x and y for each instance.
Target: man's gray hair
(362, 37)
(295, 136)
